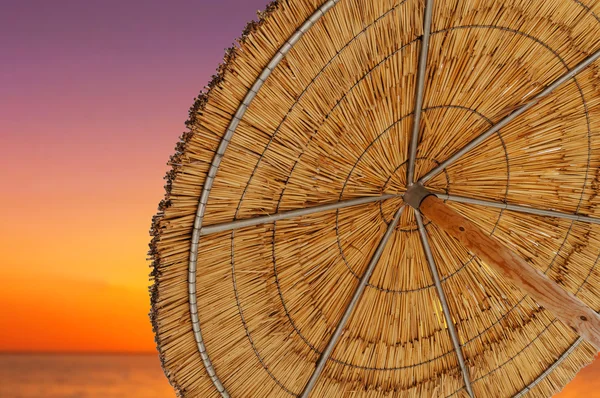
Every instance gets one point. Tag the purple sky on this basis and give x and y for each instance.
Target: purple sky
(75, 63)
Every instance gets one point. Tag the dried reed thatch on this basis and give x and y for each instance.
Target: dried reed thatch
(315, 106)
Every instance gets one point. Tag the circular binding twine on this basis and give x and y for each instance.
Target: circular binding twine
(315, 106)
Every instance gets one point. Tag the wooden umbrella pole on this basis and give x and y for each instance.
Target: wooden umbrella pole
(564, 305)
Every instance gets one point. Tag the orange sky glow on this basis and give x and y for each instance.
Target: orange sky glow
(94, 99)
(91, 108)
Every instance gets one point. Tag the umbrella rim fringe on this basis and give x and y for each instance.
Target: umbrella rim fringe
(200, 103)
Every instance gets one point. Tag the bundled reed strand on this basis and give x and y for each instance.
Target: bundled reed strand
(333, 122)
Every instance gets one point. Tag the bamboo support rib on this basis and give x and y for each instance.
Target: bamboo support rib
(320, 366)
(512, 116)
(556, 364)
(251, 222)
(565, 306)
(519, 208)
(445, 308)
(210, 178)
(420, 90)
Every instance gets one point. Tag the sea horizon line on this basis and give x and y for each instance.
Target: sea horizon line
(81, 353)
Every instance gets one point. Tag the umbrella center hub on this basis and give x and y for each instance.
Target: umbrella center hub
(396, 184)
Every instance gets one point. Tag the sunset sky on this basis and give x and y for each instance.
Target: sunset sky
(93, 97)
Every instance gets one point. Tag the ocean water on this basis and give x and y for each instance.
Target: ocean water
(82, 376)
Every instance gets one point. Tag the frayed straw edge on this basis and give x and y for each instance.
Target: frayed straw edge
(196, 109)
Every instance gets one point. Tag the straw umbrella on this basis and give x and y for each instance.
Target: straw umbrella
(387, 198)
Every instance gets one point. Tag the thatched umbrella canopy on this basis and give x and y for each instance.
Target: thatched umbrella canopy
(299, 249)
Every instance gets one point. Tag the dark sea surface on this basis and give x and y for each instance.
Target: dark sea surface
(85, 376)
